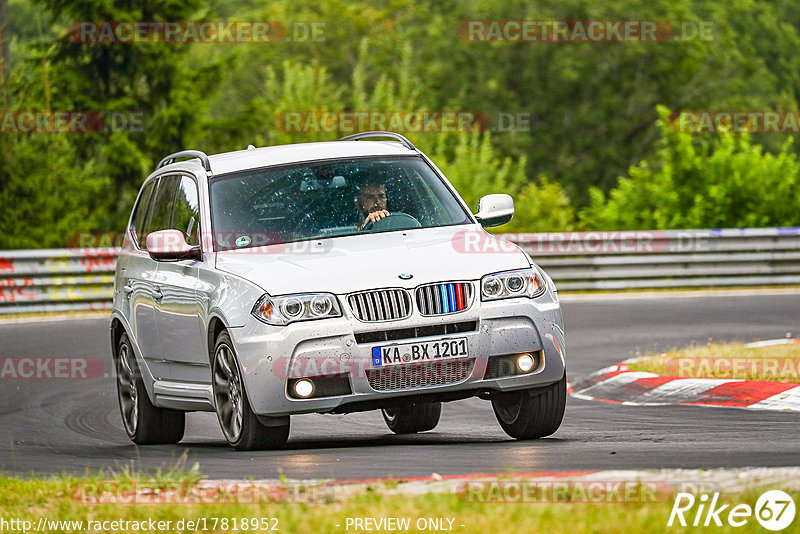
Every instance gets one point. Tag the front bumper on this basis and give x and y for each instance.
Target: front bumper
(270, 355)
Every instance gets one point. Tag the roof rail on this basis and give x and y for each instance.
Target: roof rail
(369, 135)
(202, 156)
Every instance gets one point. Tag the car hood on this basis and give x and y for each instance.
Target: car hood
(346, 264)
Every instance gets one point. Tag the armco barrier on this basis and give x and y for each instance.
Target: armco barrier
(56, 280)
(667, 259)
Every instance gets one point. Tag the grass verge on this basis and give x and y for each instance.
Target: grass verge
(780, 363)
(58, 499)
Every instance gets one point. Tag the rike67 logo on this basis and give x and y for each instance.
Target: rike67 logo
(774, 510)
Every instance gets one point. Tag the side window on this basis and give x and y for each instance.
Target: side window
(161, 206)
(186, 213)
(140, 213)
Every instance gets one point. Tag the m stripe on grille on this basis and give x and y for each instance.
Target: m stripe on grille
(440, 299)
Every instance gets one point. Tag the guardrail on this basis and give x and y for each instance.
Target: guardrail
(64, 279)
(667, 259)
(56, 280)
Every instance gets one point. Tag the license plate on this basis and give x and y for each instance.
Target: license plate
(419, 352)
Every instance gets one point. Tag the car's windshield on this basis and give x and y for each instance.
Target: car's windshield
(327, 199)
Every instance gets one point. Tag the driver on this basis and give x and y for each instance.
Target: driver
(371, 203)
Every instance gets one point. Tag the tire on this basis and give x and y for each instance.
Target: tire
(531, 413)
(144, 423)
(414, 418)
(237, 421)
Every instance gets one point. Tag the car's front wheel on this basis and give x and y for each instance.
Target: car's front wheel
(144, 423)
(239, 424)
(531, 413)
(414, 418)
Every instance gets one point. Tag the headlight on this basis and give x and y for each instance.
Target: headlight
(290, 308)
(509, 284)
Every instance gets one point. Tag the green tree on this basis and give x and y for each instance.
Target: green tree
(154, 81)
(592, 104)
(476, 169)
(46, 194)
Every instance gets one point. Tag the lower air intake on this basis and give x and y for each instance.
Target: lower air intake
(422, 375)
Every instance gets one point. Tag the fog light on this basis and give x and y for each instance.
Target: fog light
(304, 388)
(525, 362)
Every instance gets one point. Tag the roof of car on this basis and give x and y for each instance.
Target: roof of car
(254, 158)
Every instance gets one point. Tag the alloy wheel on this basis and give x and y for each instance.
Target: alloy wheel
(228, 393)
(127, 389)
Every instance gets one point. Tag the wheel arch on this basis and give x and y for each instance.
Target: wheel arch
(117, 329)
(215, 327)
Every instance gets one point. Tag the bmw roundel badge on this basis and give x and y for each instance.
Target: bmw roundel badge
(405, 276)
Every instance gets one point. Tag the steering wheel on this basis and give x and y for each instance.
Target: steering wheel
(396, 220)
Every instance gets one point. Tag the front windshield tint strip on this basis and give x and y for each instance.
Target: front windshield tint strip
(330, 198)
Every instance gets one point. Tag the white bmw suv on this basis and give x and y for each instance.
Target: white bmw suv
(330, 277)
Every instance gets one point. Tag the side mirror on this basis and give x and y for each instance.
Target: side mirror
(494, 210)
(170, 245)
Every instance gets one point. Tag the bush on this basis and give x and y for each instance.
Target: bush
(475, 169)
(720, 180)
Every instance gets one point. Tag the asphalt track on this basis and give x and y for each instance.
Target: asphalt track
(54, 426)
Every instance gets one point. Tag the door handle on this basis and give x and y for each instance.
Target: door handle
(127, 289)
(157, 294)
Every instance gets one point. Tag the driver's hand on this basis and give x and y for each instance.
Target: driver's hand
(374, 217)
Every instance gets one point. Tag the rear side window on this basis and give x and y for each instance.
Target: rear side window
(140, 213)
(161, 210)
(186, 213)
